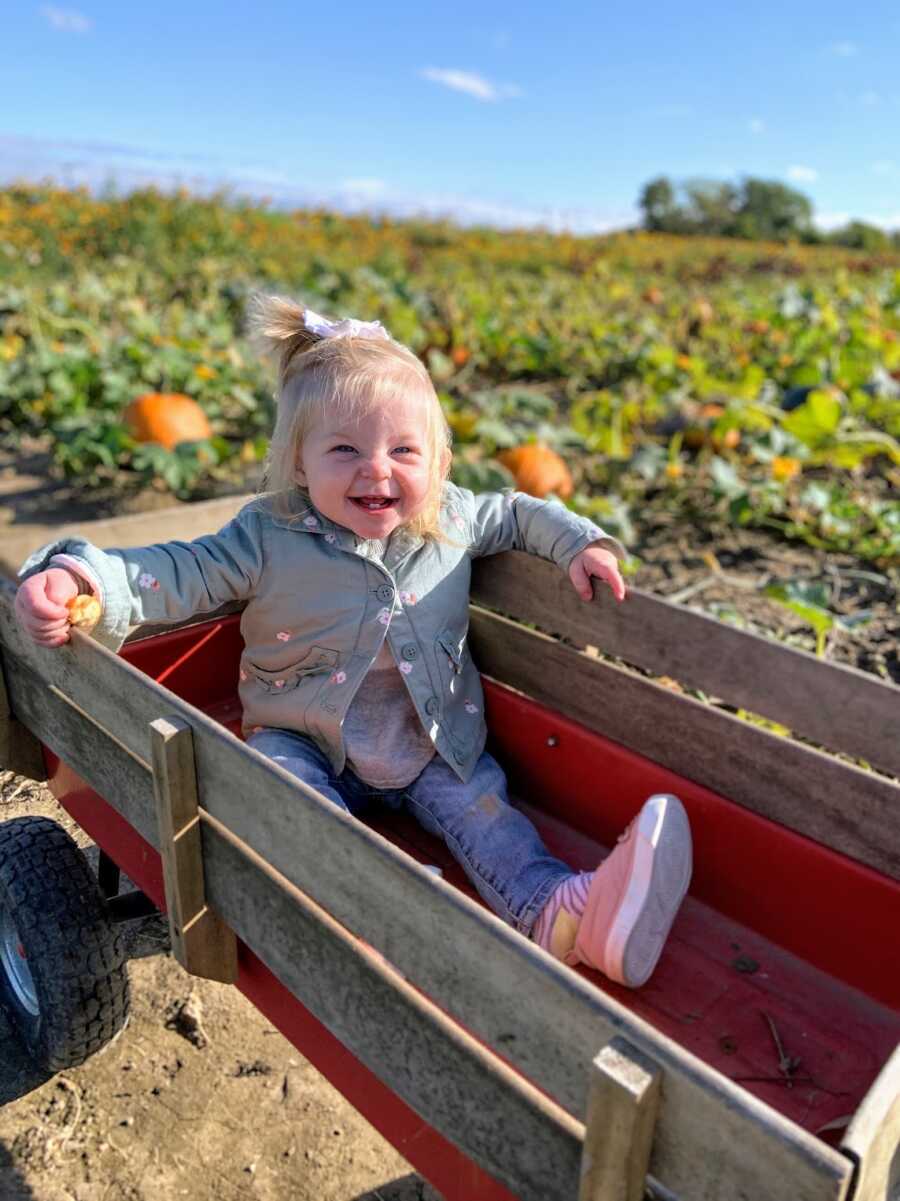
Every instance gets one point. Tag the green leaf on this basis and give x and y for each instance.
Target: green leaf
(815, 420)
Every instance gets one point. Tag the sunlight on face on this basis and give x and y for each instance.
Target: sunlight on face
(371, 473)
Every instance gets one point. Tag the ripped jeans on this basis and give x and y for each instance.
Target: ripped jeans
(497, 846)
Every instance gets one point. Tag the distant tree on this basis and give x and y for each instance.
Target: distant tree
(757, 208)
(658, 204)
(861, 236)
(769, 209)
(711, 207)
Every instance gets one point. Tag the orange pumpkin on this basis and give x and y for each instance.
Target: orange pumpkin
(167, 418)
(537, 470)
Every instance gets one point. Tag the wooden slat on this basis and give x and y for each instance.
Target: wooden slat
(873, 1137)
(839, 707)
(853, 811)
(621, 1120)
(20, 751)
(203, 944)
(469, 1095)
(707, 1124)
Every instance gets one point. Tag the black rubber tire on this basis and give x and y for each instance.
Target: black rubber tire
(73, 951)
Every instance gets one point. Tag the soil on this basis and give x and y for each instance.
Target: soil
(240, 1113)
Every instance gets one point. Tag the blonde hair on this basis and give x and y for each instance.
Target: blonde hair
(346, 376)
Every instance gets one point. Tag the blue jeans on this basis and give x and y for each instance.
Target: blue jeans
(497, 846)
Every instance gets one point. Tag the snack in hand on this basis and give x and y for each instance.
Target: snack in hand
(84, 612)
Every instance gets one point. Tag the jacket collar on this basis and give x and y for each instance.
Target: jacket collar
(305, 518)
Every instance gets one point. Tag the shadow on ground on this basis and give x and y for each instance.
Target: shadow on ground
(18, 1075)
(404, 1188)
(12, 1186)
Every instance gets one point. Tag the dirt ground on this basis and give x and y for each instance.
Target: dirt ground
(154, 1116)
(237, 1113)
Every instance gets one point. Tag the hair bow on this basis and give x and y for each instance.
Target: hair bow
(348, 328)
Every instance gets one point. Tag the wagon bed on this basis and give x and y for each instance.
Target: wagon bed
(775, 1009)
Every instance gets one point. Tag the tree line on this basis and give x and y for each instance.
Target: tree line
(754, 208)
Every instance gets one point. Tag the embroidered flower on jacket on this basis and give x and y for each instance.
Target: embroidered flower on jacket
(312, 522)
(457, 520)
(408, 598)
(405, 667)
(384, 616)
(470, 708)
(146, 580)
(330, 538)
(338, 677)
(283, 636)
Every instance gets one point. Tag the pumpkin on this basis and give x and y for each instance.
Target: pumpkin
(167, 418)
(537, 470)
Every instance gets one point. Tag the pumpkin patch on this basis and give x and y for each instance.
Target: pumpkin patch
(168, 418)
(538, 470)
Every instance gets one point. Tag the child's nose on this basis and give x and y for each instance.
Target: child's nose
(377, 466)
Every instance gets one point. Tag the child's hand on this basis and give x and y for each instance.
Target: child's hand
(41, 606)
(596, 561)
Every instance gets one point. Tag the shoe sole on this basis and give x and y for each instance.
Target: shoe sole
(660, 874)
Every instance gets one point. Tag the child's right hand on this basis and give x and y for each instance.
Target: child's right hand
(41, 606)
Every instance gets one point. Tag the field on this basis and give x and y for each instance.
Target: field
(713, 388)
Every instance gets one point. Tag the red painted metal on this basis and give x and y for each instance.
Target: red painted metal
(778, 930)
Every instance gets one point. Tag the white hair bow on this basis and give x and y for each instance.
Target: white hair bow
(348, 328)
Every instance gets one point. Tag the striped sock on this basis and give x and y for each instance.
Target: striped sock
(572, 896)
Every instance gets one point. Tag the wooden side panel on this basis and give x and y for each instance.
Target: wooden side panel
(203, 944)
(621, 1120)
(20, 751)
(843, 807)
(873, 1137)
(710, 1132)
(839, 707)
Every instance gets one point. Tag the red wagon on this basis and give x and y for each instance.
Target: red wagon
(760, 1061)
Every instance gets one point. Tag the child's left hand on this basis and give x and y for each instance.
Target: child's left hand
(596, 561)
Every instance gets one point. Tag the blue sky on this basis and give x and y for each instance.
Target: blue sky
(523, 113)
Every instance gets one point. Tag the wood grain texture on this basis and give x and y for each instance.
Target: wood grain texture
(841, 806)
(839, 707)
(873, 1137)
(20, 751)
(557, 1020)
(621, 1120)
(203, 944)
(475, 1100)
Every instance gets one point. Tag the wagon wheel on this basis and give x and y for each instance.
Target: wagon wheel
(62, 967)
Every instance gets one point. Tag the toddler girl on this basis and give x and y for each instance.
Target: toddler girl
(354, 564)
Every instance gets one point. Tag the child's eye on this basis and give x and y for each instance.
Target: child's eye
(344, 448)
(404, 450)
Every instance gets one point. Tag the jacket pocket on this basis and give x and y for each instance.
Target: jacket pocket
(452, 649)
(317, 661)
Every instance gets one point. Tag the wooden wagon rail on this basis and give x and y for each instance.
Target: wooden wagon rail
(493, 1044)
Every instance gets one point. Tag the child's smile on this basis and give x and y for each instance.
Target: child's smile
(372, 474)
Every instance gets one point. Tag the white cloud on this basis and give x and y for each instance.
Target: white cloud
(364, 187)
(756, 125)
(470, 83)
(802, 174)
(843, 49)
(830, 221)
(66, 19)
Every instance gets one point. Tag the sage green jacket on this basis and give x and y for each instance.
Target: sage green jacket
(321, 602)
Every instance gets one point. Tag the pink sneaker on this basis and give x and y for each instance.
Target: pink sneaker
(635, 894)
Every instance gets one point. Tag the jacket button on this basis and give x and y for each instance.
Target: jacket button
(385, 592)
(410, 652)
(431, 706)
